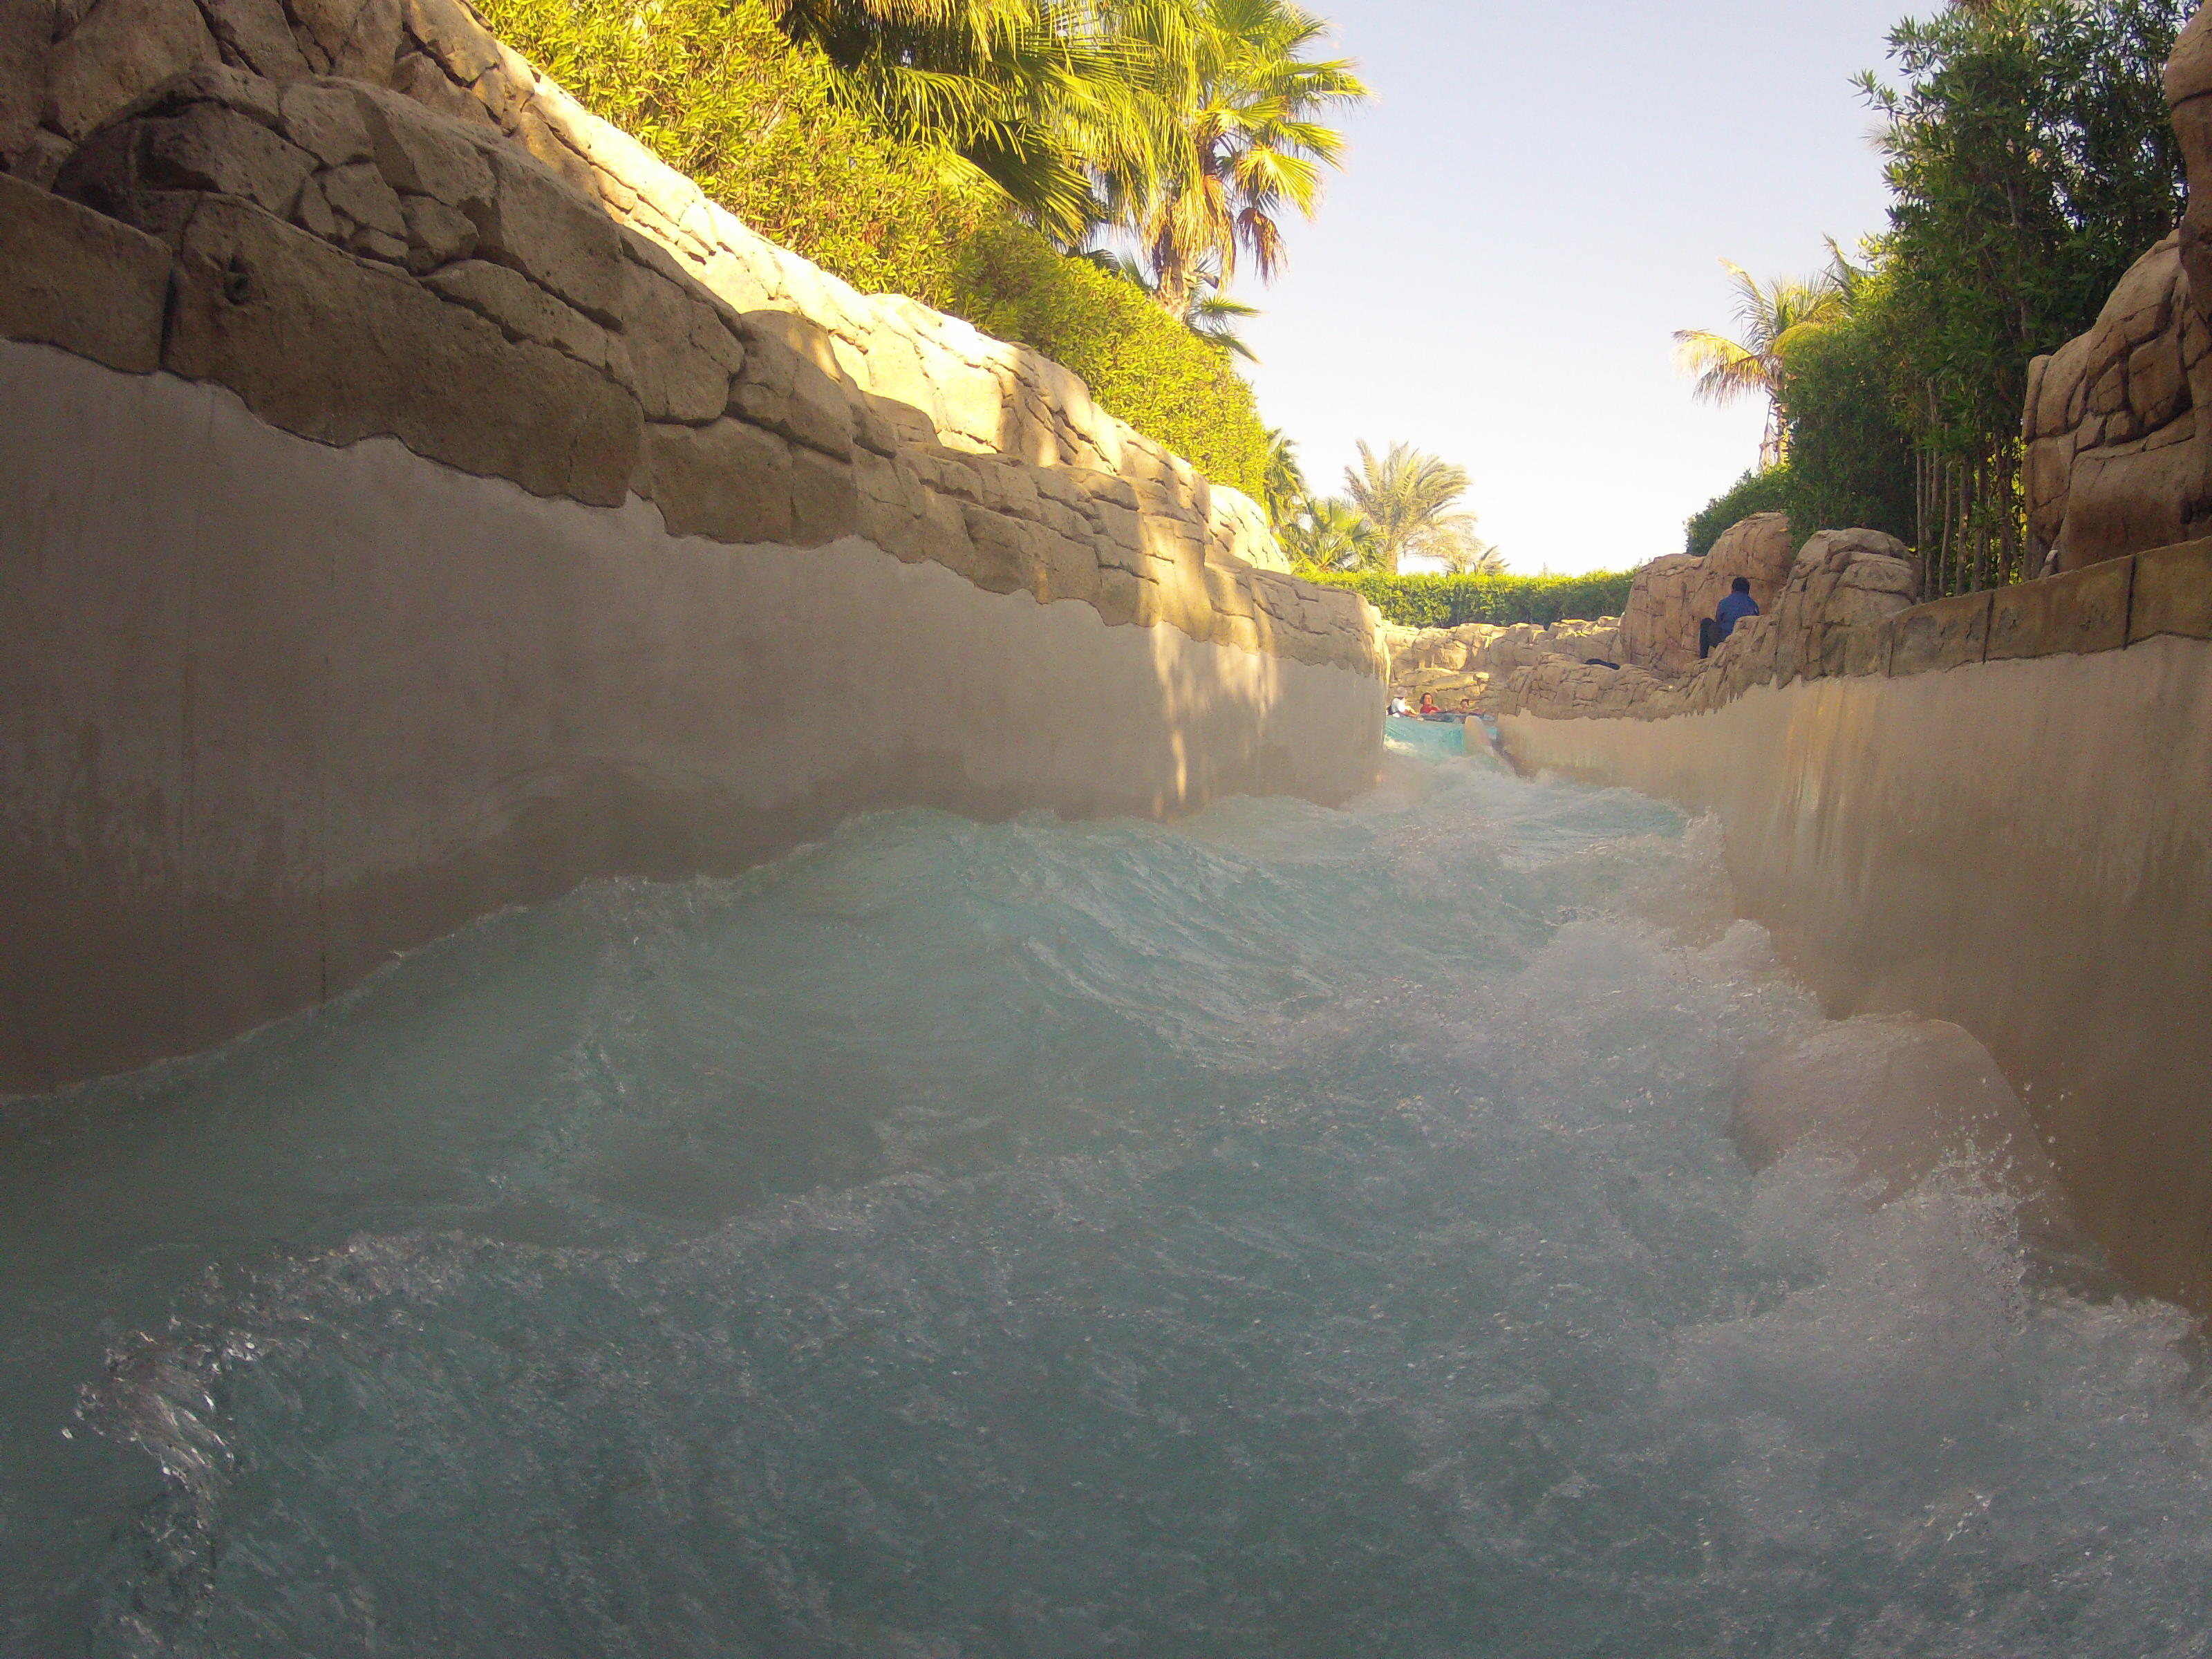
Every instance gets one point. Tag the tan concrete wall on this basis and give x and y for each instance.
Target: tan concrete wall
(273, 709)
(2023, 846)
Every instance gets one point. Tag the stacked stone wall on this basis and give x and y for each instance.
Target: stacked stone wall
(1672, 594)
(374, 219)
(1458, 665)
(1847, 612)
(418, 500)
(2118, 454)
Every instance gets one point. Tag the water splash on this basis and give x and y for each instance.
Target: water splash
(1294, 1232)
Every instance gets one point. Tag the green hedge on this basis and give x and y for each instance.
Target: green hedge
(1449, 601)
(1140, 363)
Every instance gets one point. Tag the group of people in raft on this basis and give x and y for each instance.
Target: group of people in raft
(1735, 604)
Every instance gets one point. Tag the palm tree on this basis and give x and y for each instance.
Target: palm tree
(1032, 97)
(1237, 140)
(1412, 499)
(1770, 320)
(1471, 556)
(1330, 535)
(1210, 314)
(1283, 487)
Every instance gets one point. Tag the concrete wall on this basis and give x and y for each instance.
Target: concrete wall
(271, 709)
(2023, 846)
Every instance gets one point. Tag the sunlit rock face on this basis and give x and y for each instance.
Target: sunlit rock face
(1458, 665)
(1841, 587)
(1671, 595)
(2117, 452)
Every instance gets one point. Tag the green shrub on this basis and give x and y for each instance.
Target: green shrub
(1449, 601)
(1851, 461)
(1757, 491)
(1140, 363)
(713, 89)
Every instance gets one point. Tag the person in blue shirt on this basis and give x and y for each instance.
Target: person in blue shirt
(1734, 607)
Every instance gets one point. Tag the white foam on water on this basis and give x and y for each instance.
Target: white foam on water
(1292, 1232)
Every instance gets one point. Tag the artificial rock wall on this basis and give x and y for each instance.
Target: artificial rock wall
(416, 498)
(2118, 452)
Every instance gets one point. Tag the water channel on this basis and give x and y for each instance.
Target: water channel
(1290, 1233)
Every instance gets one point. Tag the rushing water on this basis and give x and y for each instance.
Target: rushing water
(1294, 1232)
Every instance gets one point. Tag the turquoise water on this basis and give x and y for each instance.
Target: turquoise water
(1292, 1232)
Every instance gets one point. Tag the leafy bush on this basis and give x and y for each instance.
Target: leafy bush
(1757, 491)
(1449, 601)
(713, 89)
(1140, 363)
(1851, 461)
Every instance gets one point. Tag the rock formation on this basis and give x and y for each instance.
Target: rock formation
(1842, 586)
(381, 221)
(419, 500)
(2117, 457)
(1456, 665)
(1671, 594)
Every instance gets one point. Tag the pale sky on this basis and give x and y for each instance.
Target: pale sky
(1536, 199)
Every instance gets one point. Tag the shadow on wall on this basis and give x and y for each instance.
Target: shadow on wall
(285, 707)
(676, 559)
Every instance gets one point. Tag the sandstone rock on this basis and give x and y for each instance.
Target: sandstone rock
(825, 500)
(551, 235)
(124, 170)
(544, 144)
(419, 78)
(1842, 578)
(783, 387)
(424, 154)
(2124, 497)
(1672, 594)
(681, 353)
(1470, 656)
(437, 234)
(523, 310)
(40, 160)
(73, 278)
(257, 34)
(536, 313)
(894, 507)
(729, 481)
(463, 46)
(358, 39)
(123, 50)
(320, 343)
(1942, 635)
(210, 148)
(27, 36)
(2116, 460)
(2172, 593)
(2081, 611)
(326, 121)
(357, 193)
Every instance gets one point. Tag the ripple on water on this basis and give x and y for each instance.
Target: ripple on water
(1290, 1233)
